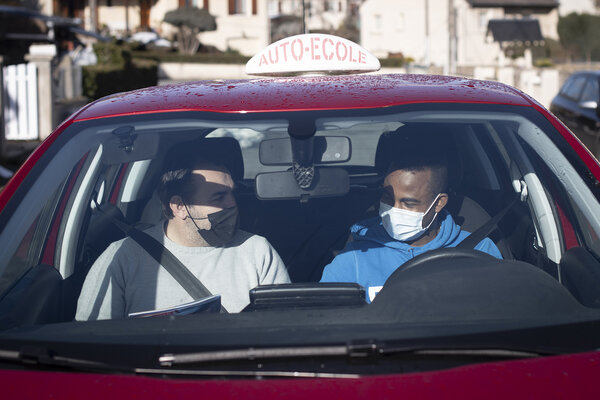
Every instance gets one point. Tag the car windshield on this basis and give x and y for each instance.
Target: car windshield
(102, 177)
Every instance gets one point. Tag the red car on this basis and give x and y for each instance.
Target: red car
(306, 158)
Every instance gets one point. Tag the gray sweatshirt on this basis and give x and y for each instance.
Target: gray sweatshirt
(126, 279)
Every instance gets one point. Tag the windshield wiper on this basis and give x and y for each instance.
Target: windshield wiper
(252, 354)
(37, 356)
(245, 373)
(355, 350)
(369, 351)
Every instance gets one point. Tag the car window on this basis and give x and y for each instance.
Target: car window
(29, 250)
(574, 87)
(591, 91)
(567, 85)
(107, 170)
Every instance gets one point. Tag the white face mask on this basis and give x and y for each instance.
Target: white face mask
(404, 225)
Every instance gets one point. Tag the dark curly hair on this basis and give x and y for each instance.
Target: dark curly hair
(415, 147)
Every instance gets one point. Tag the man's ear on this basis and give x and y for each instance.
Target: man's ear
(441, 202)
(178, 207)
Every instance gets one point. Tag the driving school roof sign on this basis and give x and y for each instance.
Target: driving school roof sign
(312, 53)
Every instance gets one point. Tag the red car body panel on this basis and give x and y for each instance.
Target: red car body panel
(572, 376)
(309, 93)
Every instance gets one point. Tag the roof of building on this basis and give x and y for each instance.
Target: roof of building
(515, 3)
(25, 12)
(515, 30)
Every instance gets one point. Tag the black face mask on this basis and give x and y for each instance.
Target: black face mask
(223, 226)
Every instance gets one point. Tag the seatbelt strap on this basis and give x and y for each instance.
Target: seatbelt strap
(188, 281)
(488, 227)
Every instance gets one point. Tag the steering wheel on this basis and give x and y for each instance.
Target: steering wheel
(456, 284)
(448, 254)
(446, 259)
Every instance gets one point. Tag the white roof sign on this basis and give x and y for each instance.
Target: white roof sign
(312, 53)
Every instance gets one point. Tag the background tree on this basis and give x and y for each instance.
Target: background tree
(580, 35)
(190, 21)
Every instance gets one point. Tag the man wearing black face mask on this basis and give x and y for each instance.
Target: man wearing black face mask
(202, 232)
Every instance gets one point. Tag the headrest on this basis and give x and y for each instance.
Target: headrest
(225, 151)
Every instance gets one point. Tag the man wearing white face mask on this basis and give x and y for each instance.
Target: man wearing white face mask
(411, 221)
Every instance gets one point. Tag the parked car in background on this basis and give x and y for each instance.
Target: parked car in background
(150, 39)
(577, 104)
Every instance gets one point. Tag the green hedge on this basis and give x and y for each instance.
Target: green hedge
(117, 71)
(103, 79)
(113, 53)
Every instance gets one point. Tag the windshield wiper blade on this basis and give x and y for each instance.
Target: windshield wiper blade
(252, 353)
(361, 349)
(245, 373)
(478, 352)
(38, 356)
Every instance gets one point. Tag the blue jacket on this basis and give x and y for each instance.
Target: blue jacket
(373, 255)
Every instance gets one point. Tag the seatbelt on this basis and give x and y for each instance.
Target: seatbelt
(188, 281)
(488, 227)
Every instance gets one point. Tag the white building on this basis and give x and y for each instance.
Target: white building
(579, 6)
(429, 33)
(319, 14)
(326, 14)
(242, 25)
(290, 17)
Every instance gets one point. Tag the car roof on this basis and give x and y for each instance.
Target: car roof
(304, 93)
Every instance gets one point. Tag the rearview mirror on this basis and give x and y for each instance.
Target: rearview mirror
(327, 149)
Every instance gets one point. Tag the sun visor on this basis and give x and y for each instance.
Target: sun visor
(126, 146)
(282, 185)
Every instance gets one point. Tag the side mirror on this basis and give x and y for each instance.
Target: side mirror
(590, 104)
